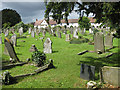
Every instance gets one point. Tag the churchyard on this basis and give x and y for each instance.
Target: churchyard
(70, 57)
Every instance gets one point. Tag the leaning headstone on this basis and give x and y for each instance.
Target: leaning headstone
(10, 49)
(33, 33)
(21, 31)
(68, 37)
(44, 32)
(87, 72)
(99, 42)
(48, 46)
(14, 40)
(110, 75)
(109, 40)
(75, 33)
(6, 33)
(0, 40)
(33, 48)
(59, 34)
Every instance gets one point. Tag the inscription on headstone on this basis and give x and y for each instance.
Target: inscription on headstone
(87, 72)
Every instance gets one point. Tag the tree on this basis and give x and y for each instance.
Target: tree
(10, 16)
(104, 11)
(84, 23)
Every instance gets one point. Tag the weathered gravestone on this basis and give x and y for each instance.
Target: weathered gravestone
(110, 75)
(109, 40)
(21, 31)
(59, 34)
(33, 33)
(90, 31)
(99, 42)
(87, 72)
(44, 32)
(14, 40)
(83, 31)
(75, 33)
(48, 46)
(6, 33)
(30, 29)
(68, 37)
(33, 48)
(10, 49)
(5, 51)
(71, 30)
(0, 40)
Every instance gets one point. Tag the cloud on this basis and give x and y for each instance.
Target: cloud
(28, 11)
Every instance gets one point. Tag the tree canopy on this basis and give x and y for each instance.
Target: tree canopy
(10, 16)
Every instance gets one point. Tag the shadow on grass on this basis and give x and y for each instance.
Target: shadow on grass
(19, 46)
(21, 37)
(18, 53)
(54, 51)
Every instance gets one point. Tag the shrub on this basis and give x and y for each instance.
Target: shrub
(38, 58)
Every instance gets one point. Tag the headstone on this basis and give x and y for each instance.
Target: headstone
(110, 75)
(33, 48)
(68, 37)
(10, 49)
(87, 72)
(99, 42)
(6, 33)
(59, 34)
(48, 46)
(14, 40)
(0, 40)
(33, 33)
(29, 30)
(90, 31)
(109, 40)
(71, 30)
(75, 33)
(5, 51)
(21, 31)
(44, 32)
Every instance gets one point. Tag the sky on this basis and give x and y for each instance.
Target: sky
(30, 10)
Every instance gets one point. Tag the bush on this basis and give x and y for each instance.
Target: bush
(38, 58)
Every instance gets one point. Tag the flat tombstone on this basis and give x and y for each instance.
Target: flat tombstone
(14, 40)
(10, 49)
(109, 40)
(99, 42)
(87, 72)
(6, 33)
(0, 40)
(48, 46)
(33, 33)
(59, 34)
(21, 31)
(68, 37)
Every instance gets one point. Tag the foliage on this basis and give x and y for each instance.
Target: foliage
(84, 23)
(6, 25)
(10, 16)
(39, 58)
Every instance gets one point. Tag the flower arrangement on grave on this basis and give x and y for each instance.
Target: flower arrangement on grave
(39, 58)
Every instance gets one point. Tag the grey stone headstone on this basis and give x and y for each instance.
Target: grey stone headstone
(75, 33)
(21, 31)
(0, 40)
(99, 42)
(109, 40)
(14, 40)
(33, 33)
(10, 49)
(90, 31)
(59, 34)
(44, 32)
(68, 37)
(30, 29)
(71, 30)
(6, 33)
(5, 51)
(87, 72)
(48, 46)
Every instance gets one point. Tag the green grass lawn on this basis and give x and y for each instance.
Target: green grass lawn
(67, 63)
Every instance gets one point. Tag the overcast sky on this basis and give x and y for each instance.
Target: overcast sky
(30, 11)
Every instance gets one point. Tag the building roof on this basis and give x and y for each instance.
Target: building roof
(52, 22)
